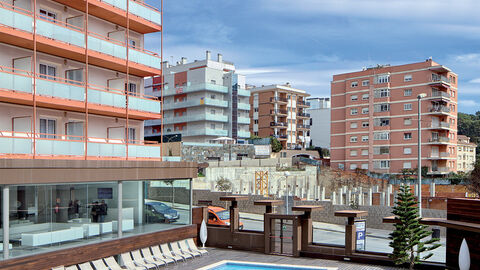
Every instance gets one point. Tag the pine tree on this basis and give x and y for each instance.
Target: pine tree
(407, 237)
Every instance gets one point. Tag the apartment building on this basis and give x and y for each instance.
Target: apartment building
(466, 154)
(280, 111)
(72, 108)
(203, 100)
(319, 121)
(374, 118)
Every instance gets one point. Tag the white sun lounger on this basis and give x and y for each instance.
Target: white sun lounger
(85, 266)
(177, 250)
(138, 258)
(147, 254)
(130, 264)
(158, 254)
(59, 268)
(194, 247)
(113, 265)
(184, 248)
(166, 251)
(71, 267)
(100, 265)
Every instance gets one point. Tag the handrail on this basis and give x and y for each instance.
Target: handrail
(15, 8)
(147, 5)
(60, 23)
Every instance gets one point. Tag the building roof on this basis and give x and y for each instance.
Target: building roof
(286, 87)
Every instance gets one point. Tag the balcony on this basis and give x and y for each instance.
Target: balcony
(300, 126)
(439, 170)
(196, 117)
(243, 92)
(195, 88)
(243, 106)
(68, 41)
(52, 146)
(439, 109)
(439, 80)
(278, 124)
(441, 155)
(194, 103)
(243, 120)
(200, 132)
(59, 93)
(301, 103)
(303, 115)
(279, 100)
(243, 134)
(279, 112)
(145, 19)
(439, 139)
(440, 95)
(281, 137)
(441, 125)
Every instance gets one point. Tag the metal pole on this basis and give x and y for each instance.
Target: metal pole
(6, 222)
(120, 208)
(191, 200)
(419, 173)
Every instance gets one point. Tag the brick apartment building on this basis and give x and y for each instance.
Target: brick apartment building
(280, 111)
(374, 118)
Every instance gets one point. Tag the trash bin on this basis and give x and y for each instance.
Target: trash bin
(436, 233)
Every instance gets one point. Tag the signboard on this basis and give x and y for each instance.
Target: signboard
(262, 150)
(361, 228)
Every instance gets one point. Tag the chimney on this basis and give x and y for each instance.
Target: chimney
(208, 55)
(220, 58)
(184, 60)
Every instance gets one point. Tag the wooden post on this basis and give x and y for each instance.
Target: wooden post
(350, 230)
(306, 223)
(234, 212)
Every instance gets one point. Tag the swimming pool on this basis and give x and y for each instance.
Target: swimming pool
(238, 265)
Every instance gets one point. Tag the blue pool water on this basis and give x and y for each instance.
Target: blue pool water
(244, 266)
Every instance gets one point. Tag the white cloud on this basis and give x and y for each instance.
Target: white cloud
(469, 103)
(254, 71)
(477, 80)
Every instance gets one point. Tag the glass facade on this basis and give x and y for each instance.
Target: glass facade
(47, 217)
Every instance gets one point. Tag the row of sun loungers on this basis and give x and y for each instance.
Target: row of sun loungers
(147, 258)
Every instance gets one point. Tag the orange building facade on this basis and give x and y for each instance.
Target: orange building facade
(72, 79)
(374, 118)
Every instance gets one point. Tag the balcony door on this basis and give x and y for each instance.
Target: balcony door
(74, 130)
(21, 125)
(76, 22)
(48, 72)
(23, 65)
(117, 35)
(116, 84)
(435, 121)
(74, 76)
(22, 5)
(48, 128)
(435, 151)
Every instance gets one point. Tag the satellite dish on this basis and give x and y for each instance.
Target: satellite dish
(203, 233)
(464, 256)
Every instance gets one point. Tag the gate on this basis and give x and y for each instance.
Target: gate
(282, 234)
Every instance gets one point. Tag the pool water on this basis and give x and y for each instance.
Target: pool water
(252, 266)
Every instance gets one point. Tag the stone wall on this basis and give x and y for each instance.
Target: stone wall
(221, 152)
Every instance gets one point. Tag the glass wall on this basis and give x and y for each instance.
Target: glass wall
(45, 218)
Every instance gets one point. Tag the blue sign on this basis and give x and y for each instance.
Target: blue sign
(361, 232)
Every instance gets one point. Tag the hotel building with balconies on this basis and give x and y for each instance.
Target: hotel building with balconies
(374, 118)
(72, 108)
(281, 111)
(466, 154)
(202, 100)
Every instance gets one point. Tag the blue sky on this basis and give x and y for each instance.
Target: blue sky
(305, 42)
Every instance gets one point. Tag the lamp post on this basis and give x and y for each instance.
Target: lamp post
(419, 145)
(286, 186)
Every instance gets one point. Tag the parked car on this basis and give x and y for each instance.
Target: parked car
(220, 216)
(160, 212)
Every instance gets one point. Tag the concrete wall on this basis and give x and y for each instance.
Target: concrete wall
(223, 152)
(320, 128)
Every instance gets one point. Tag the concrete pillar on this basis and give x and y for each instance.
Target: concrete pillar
(389, 192)
(322, 194)
(348, 197)
(333, 198)
(370, 197)
(432, 189)
(375, 188)
(6, 221)
(340, 196)
(360, 196)
(382, 198)
(120, 208)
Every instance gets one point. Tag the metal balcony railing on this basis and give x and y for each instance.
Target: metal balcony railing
(439, 139)
(442, 109)
(278, 99)
(278, 124)
(277, 111)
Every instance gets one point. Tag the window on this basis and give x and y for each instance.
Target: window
(407, 136)
(382, 79)
(255, 121)
(407, 107)
(407, 121)
(365, 166)
(381, 150)
(212, 96)
(353, 111)
(381, 122)
(131, 135)
(74, 76)
(354, 97)
(255, 133)
(407, 150)
(381, 164)
(365, 97)
(131, 89)
(365, 83)
(407, 92)
(364, 138)
(407, 78)
(354, 84)
(365, 110)
(381, 93)
(365, 152)
(48, 15)
(353, 125)
(381, 107)
(212, 111)
(381, 136)
(365, 124)
(407, 165)
(48, 127)
(353, 153)
(212, 126)
(255, 109)
(353, 139)
(341, 166)
(132, 43)
(48, 72)
(353, 166)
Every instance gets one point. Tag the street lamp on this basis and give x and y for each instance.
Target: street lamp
(286, 186)
(419, 145)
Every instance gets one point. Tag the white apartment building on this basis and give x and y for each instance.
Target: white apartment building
(319, 121)
(203, 100)
(466, 154)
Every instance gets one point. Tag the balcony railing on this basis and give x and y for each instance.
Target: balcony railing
(243, 120)
(70, 34)
(277, 111)
(51, 145)
(302, 114)
(243, 134)
(278, 99)
(441, 109)
(145, 11)
(439, 170)
(440, 155)
(243, 92)
(439, 78)
(22, 81)
(200, 132)
(281, 136)
(303, 126)
(441, 125)
(193, 103)
(278, 124)
(303, 103)
(196, 117)
(440, 94)
(243, 106)
(195, 88)
(439, 139)
(121, 4)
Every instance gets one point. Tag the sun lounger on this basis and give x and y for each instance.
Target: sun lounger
(113, 265)
(147, 254)
(59, 268)
(85, 266)
(130, 264)
(184, 248)
(158, 253)
(166, 251)
(100, 265)
(193, 246)
(176, 250)
(138, 258)
(72, 267)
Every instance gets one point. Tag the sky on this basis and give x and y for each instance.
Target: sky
(306, 42)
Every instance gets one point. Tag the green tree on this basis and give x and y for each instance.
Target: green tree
(469, 125)
(473, 181)
(407, 237)
(276, 145)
